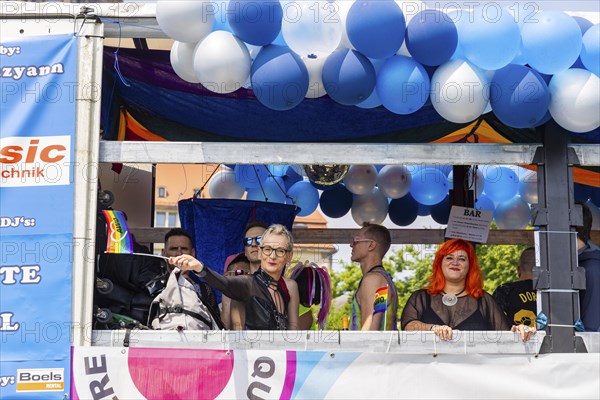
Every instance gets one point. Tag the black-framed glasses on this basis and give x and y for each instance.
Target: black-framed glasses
(249, 240)
(268, 250)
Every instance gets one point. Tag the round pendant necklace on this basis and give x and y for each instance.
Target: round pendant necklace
(449, 299)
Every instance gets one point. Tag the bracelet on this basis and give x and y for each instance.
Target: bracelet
(432, 326)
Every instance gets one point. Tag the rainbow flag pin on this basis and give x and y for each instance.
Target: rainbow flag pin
(380, 303)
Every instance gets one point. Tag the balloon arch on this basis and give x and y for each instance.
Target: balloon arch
(524, 64)
(371, 193)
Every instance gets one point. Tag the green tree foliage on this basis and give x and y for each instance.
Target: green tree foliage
(498, 264)
(411, 265)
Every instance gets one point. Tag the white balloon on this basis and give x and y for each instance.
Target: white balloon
(185, 20)
(343, 9)
(314, 66)
(476, 186)
(575, 100)
(512, 214)
(253, 50)
(528, 187)
(182, 61)
(223, 185)
(460, 91)
(371, 207)
(360, 179)
(222, 62)
(311, 27)
(394, 181)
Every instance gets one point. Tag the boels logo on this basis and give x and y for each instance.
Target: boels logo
(35, 161)
(40, 380)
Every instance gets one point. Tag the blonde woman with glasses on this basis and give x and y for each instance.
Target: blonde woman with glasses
(271, 301)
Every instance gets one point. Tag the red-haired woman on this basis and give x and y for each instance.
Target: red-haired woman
(454, 298)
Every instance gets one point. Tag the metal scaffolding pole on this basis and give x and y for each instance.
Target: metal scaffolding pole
(557, 277)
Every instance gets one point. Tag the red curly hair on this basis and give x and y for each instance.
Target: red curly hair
(474, 280)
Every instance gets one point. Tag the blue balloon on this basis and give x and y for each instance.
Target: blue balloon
(403, 85)
(440, 212)
(485, 203)
(348, 76)
(373, 100)
(582, 192)
(431, 37)
(584, 25)
(424, 210)
(491, 39)
(305, 196)
(336, 202)
(279, 78)
(501, 183)
(590, 51)
(250, 176)
(429, 186)
(376, 28)
(278, 169)
(547, 117)
(519, 96)
(255, 22)
(403, 211)
(271, 190)
(553, 43)
(293, 174)
(279, 40)
(219, 9)
(459, 17)
(289, 181)
(444, 169)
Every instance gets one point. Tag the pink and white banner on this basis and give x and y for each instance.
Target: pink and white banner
(157, 373)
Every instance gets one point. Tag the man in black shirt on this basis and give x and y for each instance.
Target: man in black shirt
(518, 299)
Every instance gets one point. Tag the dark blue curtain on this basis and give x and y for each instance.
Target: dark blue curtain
(217, 226)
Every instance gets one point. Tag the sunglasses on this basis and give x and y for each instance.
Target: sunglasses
(236, 272)
(249, 240)
(358, 239)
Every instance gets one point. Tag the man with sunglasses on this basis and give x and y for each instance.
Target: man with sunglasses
(368, 249)
(232, 311)
(252, 240)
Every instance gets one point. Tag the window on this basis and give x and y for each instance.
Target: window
(160, 219)
(172, 218)
(162, 192)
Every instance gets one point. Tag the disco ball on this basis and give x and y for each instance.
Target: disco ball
(326, 174)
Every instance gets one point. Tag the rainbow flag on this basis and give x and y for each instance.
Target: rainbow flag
(380, 304)
(119, 239)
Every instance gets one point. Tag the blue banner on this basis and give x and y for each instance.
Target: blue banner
(38, 86)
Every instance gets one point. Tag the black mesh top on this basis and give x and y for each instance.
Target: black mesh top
(467, 314)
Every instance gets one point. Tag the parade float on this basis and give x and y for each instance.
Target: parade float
(266, 83)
